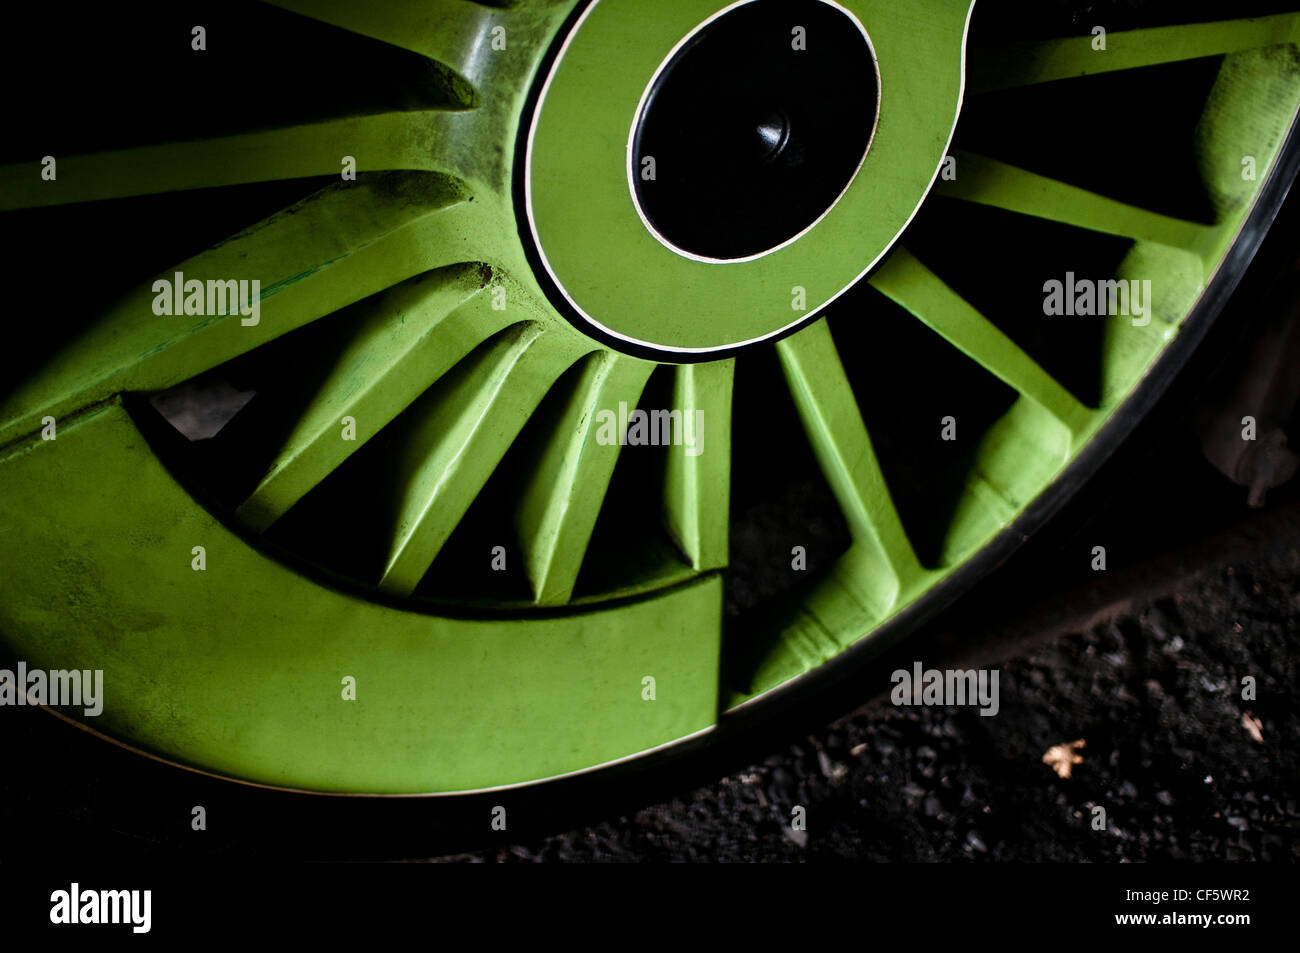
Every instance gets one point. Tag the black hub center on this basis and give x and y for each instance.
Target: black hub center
(756, 127)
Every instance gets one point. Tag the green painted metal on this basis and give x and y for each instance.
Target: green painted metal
(239, 669)
(409, 337)
(331, 250)
(1043, 61)
(834, 425)
(1251, 107)
(443, 338)
(559, 506)
(994, 183)
(292, 152)
(697, 492)
(910, 284)
(624, 280)
(458, 433)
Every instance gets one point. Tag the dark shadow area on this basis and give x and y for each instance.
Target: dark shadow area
(999, 262)
(908, 381)
(126, 75)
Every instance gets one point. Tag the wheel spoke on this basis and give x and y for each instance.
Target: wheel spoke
(910, 284)
(697, 490)
(452, 32)
(458, 433)
(563, 496)
(334, 248)
(824, 397)
(379, 143)
(990, 182)
(1027, 64)
(409, 338)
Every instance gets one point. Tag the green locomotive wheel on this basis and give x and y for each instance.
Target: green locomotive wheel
(432, 554)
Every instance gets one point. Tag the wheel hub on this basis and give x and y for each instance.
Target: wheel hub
(754, 138)
(420, 559)
(700, 180)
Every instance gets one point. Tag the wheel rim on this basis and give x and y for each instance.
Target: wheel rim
(237, 669)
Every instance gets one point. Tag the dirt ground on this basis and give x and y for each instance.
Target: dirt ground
(1156, 695)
